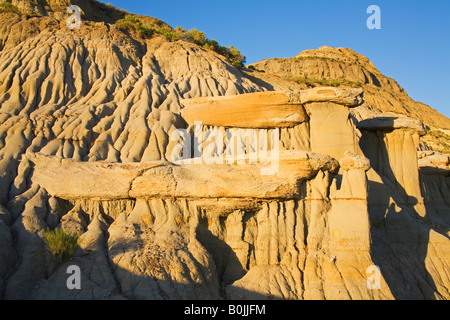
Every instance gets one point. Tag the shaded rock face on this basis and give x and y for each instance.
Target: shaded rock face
(89, 123)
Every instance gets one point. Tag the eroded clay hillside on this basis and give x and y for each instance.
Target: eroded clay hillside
(90, 119)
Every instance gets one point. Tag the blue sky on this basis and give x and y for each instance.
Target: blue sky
(412, 46)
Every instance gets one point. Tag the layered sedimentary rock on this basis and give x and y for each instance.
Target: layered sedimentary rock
(167, 180)
(264, 110)
(258, 110)
(98, 136)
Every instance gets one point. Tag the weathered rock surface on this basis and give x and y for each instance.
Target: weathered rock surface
(164, 180)
(89, 125)
(392, 123)
(349, 97)
(264, 110)
(257, 110)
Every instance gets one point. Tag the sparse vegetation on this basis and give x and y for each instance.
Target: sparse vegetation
(300, 58)
(327, 82)
(132, 23)
(329, 59)
(61, 244)
(438, 140)
(199, 38)
(8, 7)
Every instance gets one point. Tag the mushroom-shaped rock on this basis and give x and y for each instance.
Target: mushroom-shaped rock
(391, 145)
(331, 129)
(264, 109)
(349, 97)
(392, 123)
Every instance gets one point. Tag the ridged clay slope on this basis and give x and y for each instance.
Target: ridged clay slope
(86, 121)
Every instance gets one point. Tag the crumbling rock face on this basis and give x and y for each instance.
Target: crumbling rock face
(91, 121)
(95, 95)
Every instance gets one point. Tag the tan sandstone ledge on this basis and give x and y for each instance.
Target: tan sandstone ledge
(264, 109)
(69, 179)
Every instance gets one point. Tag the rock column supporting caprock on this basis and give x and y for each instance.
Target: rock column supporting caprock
(348, 218)
(391, 145)
(332, 130)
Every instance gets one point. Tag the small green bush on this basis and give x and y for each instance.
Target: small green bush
(170, 35)
(8, 7)
(133, 23)
(60, 244)
(199, 38)
(235, 57)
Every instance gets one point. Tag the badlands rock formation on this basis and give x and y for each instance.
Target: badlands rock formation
(380, 92)
(311, 194)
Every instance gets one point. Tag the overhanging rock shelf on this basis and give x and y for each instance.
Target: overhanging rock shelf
(67, 179)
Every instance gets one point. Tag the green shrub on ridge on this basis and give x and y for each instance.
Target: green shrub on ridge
(61, 244)
(132, 23)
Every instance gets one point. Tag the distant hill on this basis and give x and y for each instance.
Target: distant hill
(342, 66)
